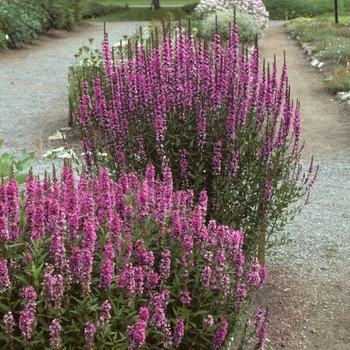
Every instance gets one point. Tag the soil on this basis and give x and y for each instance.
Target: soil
(304, 311)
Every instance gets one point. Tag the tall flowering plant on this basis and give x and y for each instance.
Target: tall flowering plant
(126, 265)
(255, 8)
(219, 121)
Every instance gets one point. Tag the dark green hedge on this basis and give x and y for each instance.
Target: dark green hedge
(279, 9)
(22, 20)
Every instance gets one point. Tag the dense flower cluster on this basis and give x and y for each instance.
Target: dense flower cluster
(149, 268)
(219, 121)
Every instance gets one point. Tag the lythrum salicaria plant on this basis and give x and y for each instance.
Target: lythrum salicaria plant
(104, 265)
(214, 117)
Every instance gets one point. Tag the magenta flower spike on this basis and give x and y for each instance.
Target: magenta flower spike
(4, 276)
(70, 202)
(220, 334)
(105, 314)
(12, 203)
(89, 334)
(179, 331)
(4, 233)
(55, 337)
(9, 323)
(108, 267)
(27, 318)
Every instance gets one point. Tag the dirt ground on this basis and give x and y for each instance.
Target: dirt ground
(303, 313)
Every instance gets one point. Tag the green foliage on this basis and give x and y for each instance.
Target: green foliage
(280, 9)
(249, 26)
(339, 81)
(329, 42)
(140, 14)
(76, 7)
(17, 168)
(3, 40)
(95, 9)
(189, 8)
(23, 20)
(317, 31)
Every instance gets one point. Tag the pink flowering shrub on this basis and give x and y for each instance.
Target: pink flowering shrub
(221, 123)
(255, 8)
(96, 264)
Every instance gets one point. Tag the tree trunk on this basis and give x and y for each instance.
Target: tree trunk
(155, 5)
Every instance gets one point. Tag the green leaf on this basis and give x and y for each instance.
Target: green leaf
(23, 280)
(4, 307)
(5, 169)
(21, 179)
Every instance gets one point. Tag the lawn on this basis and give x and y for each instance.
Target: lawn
(163, 3)
(140, 14)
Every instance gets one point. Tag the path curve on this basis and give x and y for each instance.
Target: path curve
(308, 286)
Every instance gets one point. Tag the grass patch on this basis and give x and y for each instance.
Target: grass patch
(317, 30)
(339, 80)
(141, 14)
(329, 43)
(344, 18)
(332, 48)
(163, 3)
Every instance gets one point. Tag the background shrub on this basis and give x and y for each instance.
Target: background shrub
(3, 40)
(76, 8)
(23, 20)
(189, 8)
(95, 9)
(255, 8)
(280, 9)
(249, 26)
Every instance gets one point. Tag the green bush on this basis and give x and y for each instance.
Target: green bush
(280, 9)
(23, 20)
(3, 40)
(76, 8)
(189, 8)
(248, 26)
(18, 169)
(95, 9)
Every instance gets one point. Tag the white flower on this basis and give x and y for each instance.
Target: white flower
(7, 37)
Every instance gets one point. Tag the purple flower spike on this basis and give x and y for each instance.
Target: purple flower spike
(55, 337)
(4, 276)
(89, 333)
(220, 334)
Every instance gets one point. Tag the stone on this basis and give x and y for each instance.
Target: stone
(315, 62)
(343, 96)
(346, 96)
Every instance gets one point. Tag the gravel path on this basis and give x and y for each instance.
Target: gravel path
(33, 87)
(308, 293)
(33, 104)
